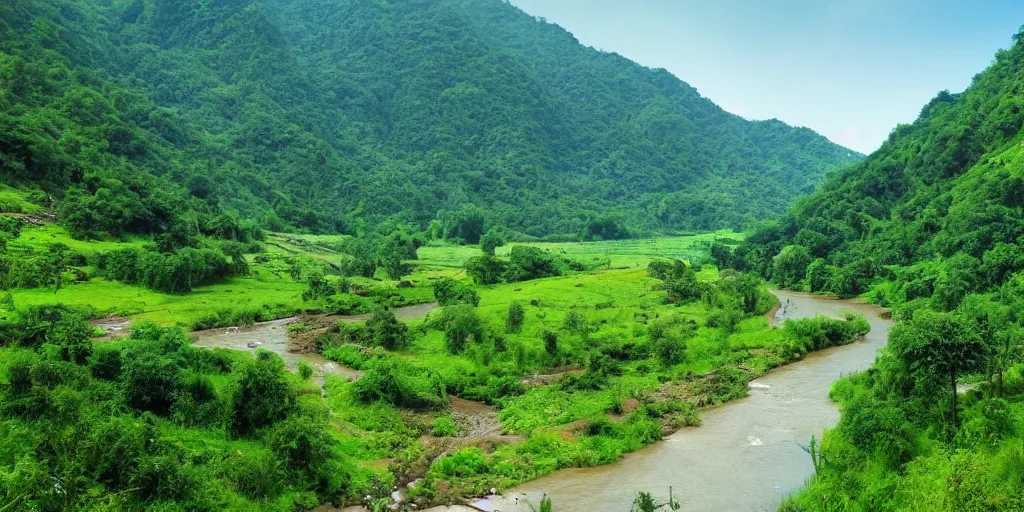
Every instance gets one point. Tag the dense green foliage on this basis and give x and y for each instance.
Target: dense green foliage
(114, 427)
(158, 116)
(932, 225)
(936, 212)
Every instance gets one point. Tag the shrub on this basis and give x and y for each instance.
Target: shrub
(305, 370)
(317, 287)
(105, 364)
(461, 464)
(384, 330)
(306, 448)
(176, 272)
(399, 383)
(726, 319)
(576, 322)
(72, 337)
(550, 342)
(823, 332)
(461, 325)
(514, 318)
(261, 395)
(257, 475)
(444, 426)
(150, 379)
(450, 292)
(197, 403)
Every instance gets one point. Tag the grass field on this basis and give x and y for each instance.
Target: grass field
(271, 286)
(567, 425)
(602, 388)
(16, 200)
(634, 253)
(39, 238)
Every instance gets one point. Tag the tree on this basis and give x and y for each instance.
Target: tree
(527, 263)
(791, 265)
(239, 267)
(55, 262)
(391, 257)
(317, 287)
(514, 318)
(261, 396)
(491, 241)
(461, 325)
(449, 292)
(818, 276)
(393, 265)
(486, 269)
(940, 344)
(720, 253)
(551, 342)
(466, 223)
(386, 330)
(604, 228)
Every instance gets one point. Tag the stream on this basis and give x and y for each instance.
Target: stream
(746, 456)
(273, 336)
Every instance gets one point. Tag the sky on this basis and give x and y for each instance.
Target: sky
(849, 69)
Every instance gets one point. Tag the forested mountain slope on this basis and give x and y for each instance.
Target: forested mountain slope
(932, 225)
(937, 210)
(341, 114)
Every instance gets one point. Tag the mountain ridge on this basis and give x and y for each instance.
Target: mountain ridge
(346, 115)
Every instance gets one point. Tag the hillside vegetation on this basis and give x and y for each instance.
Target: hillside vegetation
(932, 225)
(143, 115)
(570, 360)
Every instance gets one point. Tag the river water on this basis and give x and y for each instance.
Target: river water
(273, 336)
(746, 455)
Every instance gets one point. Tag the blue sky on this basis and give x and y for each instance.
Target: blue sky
(849, 69)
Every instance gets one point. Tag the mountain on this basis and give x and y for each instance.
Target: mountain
(931, 225)
(936, 212)
(343, 114)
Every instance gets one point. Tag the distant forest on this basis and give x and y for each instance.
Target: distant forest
(149, 116)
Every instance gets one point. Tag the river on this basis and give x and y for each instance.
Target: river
(273, 336)
(746, 455)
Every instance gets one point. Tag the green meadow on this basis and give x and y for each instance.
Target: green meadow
(271, 287)
(603, 360)
(636, 252)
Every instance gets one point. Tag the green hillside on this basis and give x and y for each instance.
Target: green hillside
(932, 225)
(341, 115)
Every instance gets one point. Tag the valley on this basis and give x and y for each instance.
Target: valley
(297, 255)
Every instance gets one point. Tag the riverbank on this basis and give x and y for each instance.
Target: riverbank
(747, 454)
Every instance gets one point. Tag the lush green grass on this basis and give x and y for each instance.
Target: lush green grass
(575, 414)
(634, 253)
(109, 297)
(272, 286)
(39, 238)
(18, 199)
(568, 426)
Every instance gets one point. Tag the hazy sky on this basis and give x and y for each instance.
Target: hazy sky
(849, 69)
